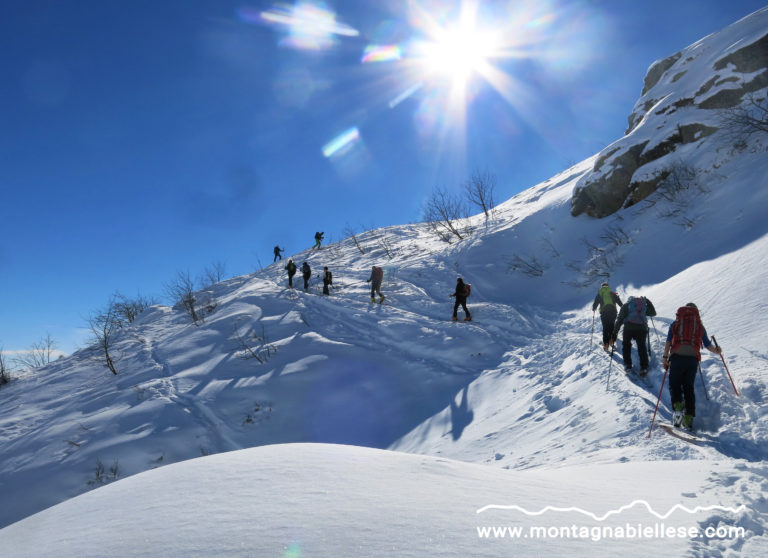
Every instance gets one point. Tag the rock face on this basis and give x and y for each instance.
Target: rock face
(678, 113)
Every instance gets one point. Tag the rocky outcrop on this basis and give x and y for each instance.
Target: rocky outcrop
(657, 70)
(677, 113)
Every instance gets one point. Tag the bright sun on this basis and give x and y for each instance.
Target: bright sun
(457, 51)
(457, 54)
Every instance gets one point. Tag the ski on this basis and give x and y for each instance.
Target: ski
(681, 434)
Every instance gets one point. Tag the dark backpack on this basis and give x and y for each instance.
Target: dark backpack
(636, 313)
(328, 279)
(467, 289)
(305, 269)
(687, 332)
(378, 274)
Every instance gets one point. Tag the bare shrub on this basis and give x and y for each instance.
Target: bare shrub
(527, 266)
(181, 290)
(742, 121)
(599, 265)
(350, 232)
(385, 242)
(615, 235)
(102, 476)
(39, 354)
(213, 273)
(443, 213)
(253, 346)
(5, 374)
(128, 309)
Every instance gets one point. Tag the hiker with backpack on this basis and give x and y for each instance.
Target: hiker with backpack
(277, 251)
(327, 280)
(318, 240)
(291, 268)
(461, 293)
(607, 300)
(633, 316)
(682, 355)
(377, 275)
(306, 272)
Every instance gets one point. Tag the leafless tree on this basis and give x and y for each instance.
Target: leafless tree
(750, 117)
(214, 273)
(385, 242)
(351, 233)
(39, 354)
(443, 212)
(104, 324)
(479, 190)
(181, 290)
(128, 309)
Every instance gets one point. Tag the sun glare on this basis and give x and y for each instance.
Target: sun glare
(457, 54)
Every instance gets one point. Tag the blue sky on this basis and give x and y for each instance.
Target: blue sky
(138, 139)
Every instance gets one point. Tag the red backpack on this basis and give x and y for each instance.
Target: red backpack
(467, 289)
(687, 332)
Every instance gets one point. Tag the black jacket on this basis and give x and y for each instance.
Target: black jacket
(459, 293)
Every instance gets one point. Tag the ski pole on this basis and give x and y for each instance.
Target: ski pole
(657, 402)
(608, 380)
(726, 366)
(650, 350)
(703, 383)
(592, 333)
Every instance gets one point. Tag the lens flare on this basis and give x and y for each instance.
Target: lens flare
(341, 143)
(310, 25)
(381, 53)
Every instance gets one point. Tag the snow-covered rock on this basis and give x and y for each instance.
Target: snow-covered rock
(678, 115)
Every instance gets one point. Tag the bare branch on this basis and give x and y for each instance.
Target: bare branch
(181, 290)
(213, 274)
(351, 233)
(442, 213)
(479, 190)
(5, 375)
(104, 324)
(128, 309)
(744, 120)
(39, 354)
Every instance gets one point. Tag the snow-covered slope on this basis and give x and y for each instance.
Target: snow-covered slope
(523, 387)
(320, 500)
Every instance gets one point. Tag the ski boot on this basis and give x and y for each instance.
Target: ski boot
(644, 372)
(373, 299)
(688, 422)
(677, 415)
(454, 319)
(468, 319)
(382, 299)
